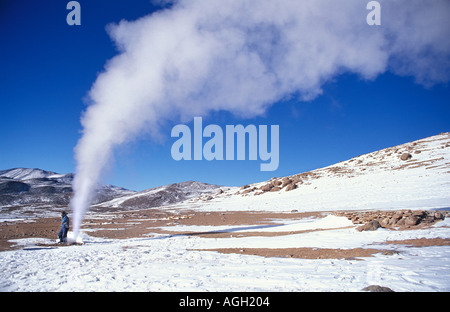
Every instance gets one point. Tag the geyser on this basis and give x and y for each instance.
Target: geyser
(242, 56)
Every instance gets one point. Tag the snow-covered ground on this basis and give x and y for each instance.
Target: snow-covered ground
(177, 262)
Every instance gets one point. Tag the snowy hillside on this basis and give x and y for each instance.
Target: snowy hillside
(378, 180)
(160, 196)
(27, 174)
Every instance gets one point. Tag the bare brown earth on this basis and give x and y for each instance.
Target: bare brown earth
(139, 224)
(422, 242)
(143, 223)
(42, 228)
(329, 253)
(307, 253)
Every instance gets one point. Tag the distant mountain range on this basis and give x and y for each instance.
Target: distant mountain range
(161, 196)
(28, 192)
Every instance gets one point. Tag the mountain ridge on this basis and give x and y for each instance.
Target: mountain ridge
(26, 192)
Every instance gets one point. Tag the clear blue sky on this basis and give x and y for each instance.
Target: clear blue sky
(47, 68)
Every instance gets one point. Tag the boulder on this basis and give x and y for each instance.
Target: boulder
(412, 220)
(401, 219)
(369, 226)
(286, 182)
(377, 288)
(291, 187)
(249, 190)
(385, 222)
(276, 183)
(406, 156)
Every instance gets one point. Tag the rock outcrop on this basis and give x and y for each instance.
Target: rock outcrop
(377, 288)
(397, 219)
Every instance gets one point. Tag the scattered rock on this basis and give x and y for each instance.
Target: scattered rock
(266, 188)
(412, 220)
(286, 182)
(385, 222)
(439, 215)
(370, 226)
(389, 252)
(418, 213)
(406, 156)
(398, 220)
(397, 216)
(249, 190)
(291, 187)
(377, 288)
(273, 185)
(276, 183)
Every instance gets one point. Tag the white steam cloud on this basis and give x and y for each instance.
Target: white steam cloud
(243, 56)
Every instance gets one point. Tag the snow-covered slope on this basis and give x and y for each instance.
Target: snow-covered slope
(163, 195)
(378, 180)
(24, 173)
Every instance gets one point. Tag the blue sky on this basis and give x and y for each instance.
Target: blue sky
(47, 68)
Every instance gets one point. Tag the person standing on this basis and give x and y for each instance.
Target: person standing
(62, 235)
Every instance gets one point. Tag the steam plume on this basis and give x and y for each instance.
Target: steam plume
(243, 56)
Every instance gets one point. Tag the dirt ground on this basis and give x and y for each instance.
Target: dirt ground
(141, 223)
(35, 228)
(307, 253)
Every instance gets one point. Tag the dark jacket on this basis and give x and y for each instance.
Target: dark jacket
(65, 221)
